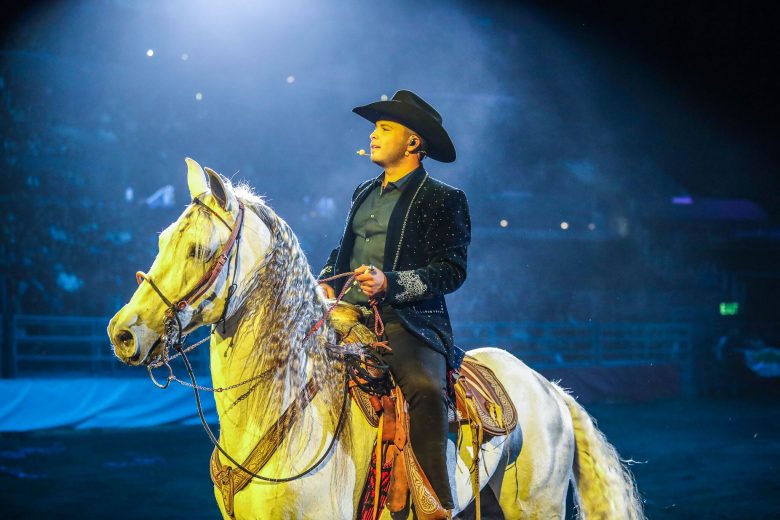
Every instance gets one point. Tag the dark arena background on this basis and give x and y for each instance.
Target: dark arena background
(621, 163)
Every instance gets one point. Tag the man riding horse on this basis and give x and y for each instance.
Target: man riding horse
(416, 231)
(291, 445)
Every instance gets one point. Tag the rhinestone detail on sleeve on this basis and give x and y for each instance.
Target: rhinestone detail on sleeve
(412, 284)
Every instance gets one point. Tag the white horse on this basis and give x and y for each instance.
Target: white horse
(262, 337)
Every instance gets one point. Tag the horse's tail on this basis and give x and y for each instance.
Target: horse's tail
(605, 488)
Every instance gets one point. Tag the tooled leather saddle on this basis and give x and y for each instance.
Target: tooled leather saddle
(395, 474)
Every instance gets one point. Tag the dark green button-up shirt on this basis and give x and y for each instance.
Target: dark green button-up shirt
(370, 228)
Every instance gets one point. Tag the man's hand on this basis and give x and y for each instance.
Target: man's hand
(373, 282)
(328, 290)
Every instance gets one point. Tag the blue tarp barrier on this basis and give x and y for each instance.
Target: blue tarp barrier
(32, 404)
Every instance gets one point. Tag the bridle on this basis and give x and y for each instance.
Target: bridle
(209, 277)
(173, 337)
(173, 330)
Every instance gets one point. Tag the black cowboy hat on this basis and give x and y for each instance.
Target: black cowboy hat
(410, 110)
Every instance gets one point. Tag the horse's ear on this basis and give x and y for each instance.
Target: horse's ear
(221, 190)
(196, 179)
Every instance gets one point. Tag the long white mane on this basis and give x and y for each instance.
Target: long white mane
(278, 309)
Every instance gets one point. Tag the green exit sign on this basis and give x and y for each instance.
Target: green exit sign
(729, 308)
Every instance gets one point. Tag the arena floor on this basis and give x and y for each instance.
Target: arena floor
(696, 459)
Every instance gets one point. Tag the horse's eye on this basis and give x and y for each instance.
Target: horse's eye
(193, 251)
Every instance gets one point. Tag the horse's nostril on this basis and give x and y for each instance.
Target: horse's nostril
(125, 346)
(124, 338)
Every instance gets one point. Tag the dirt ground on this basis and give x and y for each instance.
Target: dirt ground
(695, 459)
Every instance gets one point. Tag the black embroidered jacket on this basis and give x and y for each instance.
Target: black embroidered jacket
(425, 256)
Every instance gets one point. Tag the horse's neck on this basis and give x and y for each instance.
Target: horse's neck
(229, 355)
(234, 352)
(241, 425)
(348, 459)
